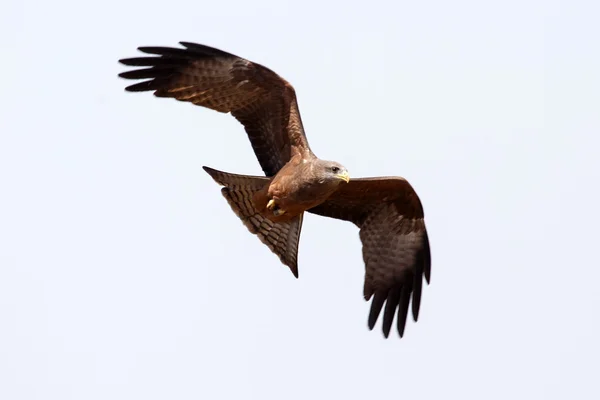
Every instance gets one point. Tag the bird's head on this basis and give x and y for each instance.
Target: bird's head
(331, 171)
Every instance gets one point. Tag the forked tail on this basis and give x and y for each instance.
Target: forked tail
(281, 237)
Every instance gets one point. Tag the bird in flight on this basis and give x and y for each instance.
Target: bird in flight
(386, 210)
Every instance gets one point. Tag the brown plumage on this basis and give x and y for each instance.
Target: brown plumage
(387, 210)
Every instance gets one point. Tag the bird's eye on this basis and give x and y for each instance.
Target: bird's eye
(335, 169)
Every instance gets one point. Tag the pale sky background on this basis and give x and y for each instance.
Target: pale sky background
(116, 284)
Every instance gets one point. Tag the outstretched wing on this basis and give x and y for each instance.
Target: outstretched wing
(256, 96)
(395, 243)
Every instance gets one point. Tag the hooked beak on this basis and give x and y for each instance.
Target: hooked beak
(344, 176)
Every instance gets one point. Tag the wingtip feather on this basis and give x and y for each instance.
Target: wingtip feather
(427, 261)
(376, 306)
(403, 308)
(144, 86)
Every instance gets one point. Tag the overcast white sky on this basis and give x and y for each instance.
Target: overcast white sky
(116, 283)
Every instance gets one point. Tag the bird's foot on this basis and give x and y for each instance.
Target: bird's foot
(272, 206)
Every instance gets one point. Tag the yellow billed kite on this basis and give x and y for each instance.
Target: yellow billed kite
(386, 209)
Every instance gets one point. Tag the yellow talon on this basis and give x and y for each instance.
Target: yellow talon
(271, 206)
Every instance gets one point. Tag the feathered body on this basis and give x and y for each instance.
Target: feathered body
(387, 210)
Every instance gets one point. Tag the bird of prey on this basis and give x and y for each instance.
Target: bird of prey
(387, 210)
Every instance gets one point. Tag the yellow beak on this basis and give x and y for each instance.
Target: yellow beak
(344, 176)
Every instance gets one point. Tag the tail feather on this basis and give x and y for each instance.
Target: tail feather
(282, 238)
